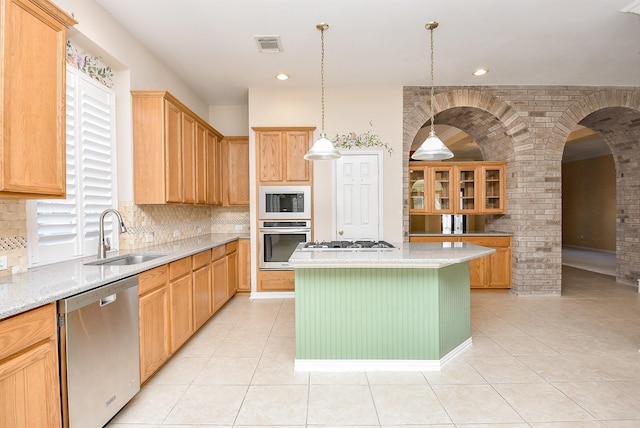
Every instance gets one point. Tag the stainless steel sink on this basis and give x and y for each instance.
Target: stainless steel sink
(129, 259)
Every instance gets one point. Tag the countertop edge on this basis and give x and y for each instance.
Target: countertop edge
(25, 291)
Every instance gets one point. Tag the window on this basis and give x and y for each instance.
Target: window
(65, 229)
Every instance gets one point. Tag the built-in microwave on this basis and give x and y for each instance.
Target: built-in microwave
(284, 202)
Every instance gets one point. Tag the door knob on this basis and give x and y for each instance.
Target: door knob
(340, 232)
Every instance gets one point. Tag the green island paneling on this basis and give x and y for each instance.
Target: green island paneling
(383, 314)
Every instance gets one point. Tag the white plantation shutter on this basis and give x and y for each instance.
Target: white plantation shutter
(64, 229)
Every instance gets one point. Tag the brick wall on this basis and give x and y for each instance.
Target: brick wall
(527, 126)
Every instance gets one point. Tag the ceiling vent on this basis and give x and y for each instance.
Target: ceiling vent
(268, 44)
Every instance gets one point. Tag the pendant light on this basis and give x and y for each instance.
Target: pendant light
(432, 148)
(323, 148)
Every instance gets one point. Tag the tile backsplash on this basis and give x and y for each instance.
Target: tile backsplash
(159, 223)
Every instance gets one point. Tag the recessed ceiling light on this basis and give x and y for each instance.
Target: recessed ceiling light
(481, 72)
(282, 76)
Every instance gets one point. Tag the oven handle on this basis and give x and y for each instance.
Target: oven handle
(277, 230)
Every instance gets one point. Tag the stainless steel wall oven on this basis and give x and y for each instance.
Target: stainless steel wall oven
(278, 239)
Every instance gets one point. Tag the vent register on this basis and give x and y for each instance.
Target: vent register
(268, 44)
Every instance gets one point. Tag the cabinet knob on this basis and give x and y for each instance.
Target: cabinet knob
(340, 232)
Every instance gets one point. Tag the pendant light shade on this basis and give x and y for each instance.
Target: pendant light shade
(323, 148)
(432, 148)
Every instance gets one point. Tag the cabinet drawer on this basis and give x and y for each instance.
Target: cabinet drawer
(23, 330)
(231, 247)
(447, 238)
(179, 268)
(201, 259)
(489, 241)
(152, 279)
(218, 252)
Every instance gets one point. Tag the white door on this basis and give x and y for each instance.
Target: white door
(358, 197)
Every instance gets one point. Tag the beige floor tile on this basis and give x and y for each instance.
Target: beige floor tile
(523, 345)
(200, 346)
(339, 378)
(542, 402)
(456, 372)
(241, 347)
(497, 327)
(396, 378)
(227, 371)
(280, 347)
(408, 404)
(467, 404)
(255, 329)
(278, 371)
(579, 424)
(179, 371)
(208, 404)
(604, 400)
(486, 347)
(503, 370)
(622, 424)
(151, 405)
(274, 405)
(339, 405)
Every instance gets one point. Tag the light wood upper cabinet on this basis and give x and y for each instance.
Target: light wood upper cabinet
(174, 152)
(33, 139)
(29, 377)
(214, 170)
(235, 171)
(457, 188)
(280, 155)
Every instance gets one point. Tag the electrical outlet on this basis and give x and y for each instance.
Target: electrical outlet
(176, 233)
(238, 227)
(3, 263)
(148, 237)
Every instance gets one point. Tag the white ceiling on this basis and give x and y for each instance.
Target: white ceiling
(210, 43)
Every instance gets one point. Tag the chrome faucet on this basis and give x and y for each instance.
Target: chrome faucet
(103, 244)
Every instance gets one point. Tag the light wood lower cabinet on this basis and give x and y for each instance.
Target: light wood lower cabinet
(231, 250)
(492, 271)
(154, 320)
(219, 276)
(244, 265)
(29, 377)
(180, 302)
(276, 280)
(202, 293)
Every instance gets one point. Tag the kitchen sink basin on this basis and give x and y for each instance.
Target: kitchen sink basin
(129, 259)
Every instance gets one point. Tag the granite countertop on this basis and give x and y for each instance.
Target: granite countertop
(463, 234)
(406, 255)
(45, 284)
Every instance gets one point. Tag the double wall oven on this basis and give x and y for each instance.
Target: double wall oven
(284, 222)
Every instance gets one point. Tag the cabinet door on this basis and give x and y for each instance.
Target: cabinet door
(32, 139)
(270, 156)
(219, 282)
(30, 389)
(478, 272)
(244, 265)
(202, 305)
(232, 274)
(173, 149)
(440, 200)
(214, 182)
(236, 172)
(188, 158)
(500, 276)
(181, 309)
(417, 189)
(493, 192)
(296, 144)
(154, 331)
(467, 185)
(202, 158)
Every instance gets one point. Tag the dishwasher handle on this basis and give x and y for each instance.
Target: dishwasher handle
(106, 300)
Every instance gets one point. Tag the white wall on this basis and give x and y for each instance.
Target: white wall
(347, 109)
(230, 120)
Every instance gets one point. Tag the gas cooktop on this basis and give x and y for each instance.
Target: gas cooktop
(347, 245)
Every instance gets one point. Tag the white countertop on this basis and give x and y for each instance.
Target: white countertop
(406, 255)
(41, 285)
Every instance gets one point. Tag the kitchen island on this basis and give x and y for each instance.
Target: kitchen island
(404, 308)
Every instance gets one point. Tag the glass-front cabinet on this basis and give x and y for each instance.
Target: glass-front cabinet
(457, 188)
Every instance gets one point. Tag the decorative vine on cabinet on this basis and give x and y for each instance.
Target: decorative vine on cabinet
(175, 152)
(457, 188)
(33, 137)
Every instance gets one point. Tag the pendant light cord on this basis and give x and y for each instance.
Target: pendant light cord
(432, 84)
(322, 73)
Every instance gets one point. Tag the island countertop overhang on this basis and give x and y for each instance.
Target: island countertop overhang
(427, 255)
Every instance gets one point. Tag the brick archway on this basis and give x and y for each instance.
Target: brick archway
(615, 114)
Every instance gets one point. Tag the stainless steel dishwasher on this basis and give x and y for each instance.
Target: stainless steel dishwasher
(99, 342)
